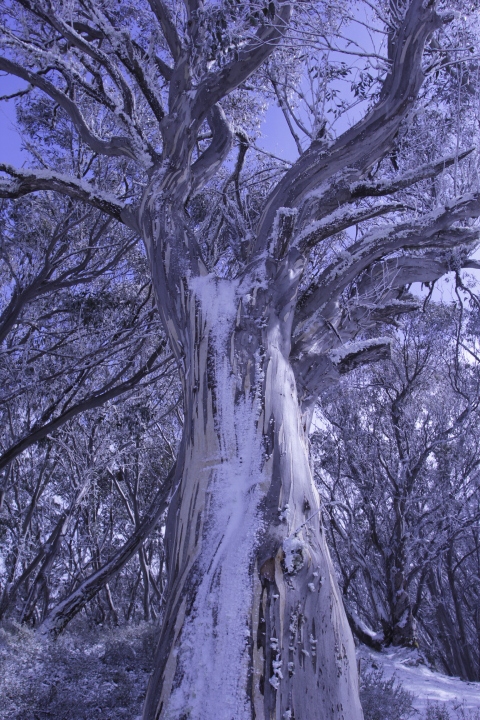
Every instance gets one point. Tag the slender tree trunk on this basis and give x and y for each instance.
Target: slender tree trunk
(60, 615)
(254, 624)
(465, 644)
(453, 653)
(402, 628)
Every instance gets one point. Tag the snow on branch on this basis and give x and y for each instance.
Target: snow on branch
(22, 182)
(438, 229)
(352, 355)
(116, 146)
(219, 84)
(390, 186)
(366, 286)
(326, 212)
(341, 219)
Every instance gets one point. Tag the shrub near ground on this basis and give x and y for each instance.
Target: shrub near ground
(102, 674)
(384, 698)
(438, 711)
(84, 675)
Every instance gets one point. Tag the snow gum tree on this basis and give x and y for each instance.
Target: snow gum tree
(260, 289)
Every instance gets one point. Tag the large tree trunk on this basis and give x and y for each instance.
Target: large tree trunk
(254, 624)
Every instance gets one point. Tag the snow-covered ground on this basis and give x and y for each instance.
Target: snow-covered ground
(426, 685)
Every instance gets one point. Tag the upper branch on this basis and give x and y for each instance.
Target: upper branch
(339, 220)
(219, 84)
(368, 140)
(67, 30)
(324, 211)
(432, 230)
(168, 28)
(116, 146)
(208, 163)
(324, 319)
(407, 179)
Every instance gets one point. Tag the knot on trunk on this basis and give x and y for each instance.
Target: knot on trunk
(294, 558)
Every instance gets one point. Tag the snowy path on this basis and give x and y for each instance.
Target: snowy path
(425, 684)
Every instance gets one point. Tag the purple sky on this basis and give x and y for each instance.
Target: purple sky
(10, 141)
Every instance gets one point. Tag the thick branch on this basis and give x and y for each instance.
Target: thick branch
(366, 142)
(316, 371)
(74, 38)
(321, 208)
(432, 230)
(116, 146)
(352, 355)
(219, 84)
(388, 187)
(168, 28)
(209, 161)
(375, 300)
(23, 182)
(339, 220)
(378, 296)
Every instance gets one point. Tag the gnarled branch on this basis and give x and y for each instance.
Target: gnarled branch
(209, 161)
(368, 140)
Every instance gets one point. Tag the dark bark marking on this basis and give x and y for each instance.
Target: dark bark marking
(267, 571)
(197, 527)
(211, 381)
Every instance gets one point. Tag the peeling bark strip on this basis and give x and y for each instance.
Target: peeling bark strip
(254, 625)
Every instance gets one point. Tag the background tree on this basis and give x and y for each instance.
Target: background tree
(79, 333)
(398, 464)
(255, 284)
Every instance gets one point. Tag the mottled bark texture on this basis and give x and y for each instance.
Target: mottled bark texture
(254, 625)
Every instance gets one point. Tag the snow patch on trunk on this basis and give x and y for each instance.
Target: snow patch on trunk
(294, 549)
